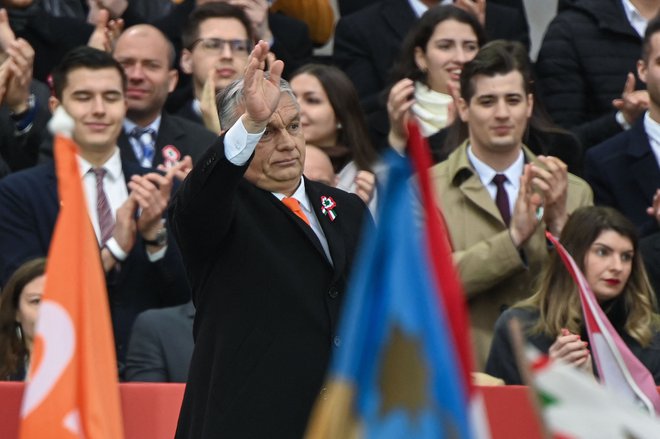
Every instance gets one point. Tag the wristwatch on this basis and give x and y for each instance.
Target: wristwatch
(160, 239)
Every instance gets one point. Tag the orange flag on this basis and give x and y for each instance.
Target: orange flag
(72, 389)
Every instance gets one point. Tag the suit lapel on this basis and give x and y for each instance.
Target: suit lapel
(475, 191)
(167, 135)
(302, 226)
(644, 165)
(334, 238)
(126, 149)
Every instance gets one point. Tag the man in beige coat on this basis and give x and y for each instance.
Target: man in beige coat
(499, 251)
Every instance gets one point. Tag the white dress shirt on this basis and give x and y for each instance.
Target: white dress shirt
(116, 192)
(652, 129)
(486, 174)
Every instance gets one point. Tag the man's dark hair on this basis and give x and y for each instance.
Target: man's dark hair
(190, 30)
(651, 29)
(83, 57)
(496, 58)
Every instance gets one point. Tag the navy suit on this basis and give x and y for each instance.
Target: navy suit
(161, 345)
(29, 207)
(189, 138)
(267, 300)
(623, 173)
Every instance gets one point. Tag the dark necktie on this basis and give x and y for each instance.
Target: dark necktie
(502, 198)
(294, 206)
(145, 139)
(106, 221)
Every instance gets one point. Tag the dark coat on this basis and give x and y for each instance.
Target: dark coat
(188, 137)
(267, 300)
(502, 364)
(28, 210)
(161, 345)
(586, 54)
(20, 149)
(624, 174)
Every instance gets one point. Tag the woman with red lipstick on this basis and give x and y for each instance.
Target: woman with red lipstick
(604, 244)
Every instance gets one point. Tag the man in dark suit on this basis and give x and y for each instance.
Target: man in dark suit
(624, 171)
(150, 136)
(267, 282)
(161, 345)
(125, 202)
(367, 42)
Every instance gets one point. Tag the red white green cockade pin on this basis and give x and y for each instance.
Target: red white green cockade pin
(327, 207)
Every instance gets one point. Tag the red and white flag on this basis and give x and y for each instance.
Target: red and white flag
(618, 368)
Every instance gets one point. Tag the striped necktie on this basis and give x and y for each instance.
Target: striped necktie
(106, 220)
(145, 138)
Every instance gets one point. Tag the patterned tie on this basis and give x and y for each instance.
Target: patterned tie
(145, 139)
(294, 206)
(106, 221)
(502, 198)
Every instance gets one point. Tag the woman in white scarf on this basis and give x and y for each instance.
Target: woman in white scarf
(432, 57)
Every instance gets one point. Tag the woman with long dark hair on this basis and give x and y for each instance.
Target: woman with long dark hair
(604, 244)
(19, 305)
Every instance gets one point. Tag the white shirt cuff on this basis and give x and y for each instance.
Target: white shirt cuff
(239, 144)
(622, 121)
(115, 250)
(157, 256)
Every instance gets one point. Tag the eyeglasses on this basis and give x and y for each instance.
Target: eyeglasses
(217, 45)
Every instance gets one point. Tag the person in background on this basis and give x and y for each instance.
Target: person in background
(19, 306)
(585, 67)
(318, 166)
(604, 245)
(491, 188)
(331, 119)
(624, 171)
(161, 345)
(217, 39)
(427, 73)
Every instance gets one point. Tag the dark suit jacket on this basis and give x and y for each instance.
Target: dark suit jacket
(367, 42)
(267, 300)
(188, 112)
(623, 173)
(161, 345)
(28, 210)
(188, 137)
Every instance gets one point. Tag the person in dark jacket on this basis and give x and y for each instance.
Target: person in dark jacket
(585, 65)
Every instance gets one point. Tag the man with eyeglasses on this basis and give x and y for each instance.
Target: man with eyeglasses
(217, 39)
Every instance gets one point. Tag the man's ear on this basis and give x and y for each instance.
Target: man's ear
(172, 79)
(53, 103)
(463, 109)
(530, 106)
(642, 70)
(186, 62)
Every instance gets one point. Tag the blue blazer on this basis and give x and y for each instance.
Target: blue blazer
(28, 210)
(623, 173)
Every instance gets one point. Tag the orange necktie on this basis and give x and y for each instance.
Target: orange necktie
(294, 206)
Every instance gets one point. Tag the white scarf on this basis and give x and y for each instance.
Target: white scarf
(430, 109)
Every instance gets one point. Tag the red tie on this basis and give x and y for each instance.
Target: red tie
(294, 206)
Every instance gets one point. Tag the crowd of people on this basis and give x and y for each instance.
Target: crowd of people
(208, 132)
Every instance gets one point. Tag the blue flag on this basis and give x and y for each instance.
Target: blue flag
(396, 373)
